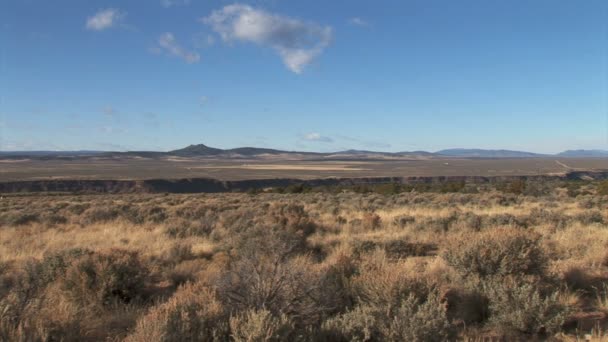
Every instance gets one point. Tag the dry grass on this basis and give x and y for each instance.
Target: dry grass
(283, 266)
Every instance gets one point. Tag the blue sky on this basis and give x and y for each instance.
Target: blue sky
(304, 75)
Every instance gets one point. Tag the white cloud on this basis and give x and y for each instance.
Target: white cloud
(167, 42)
(105, 19)
(297, 42)
(358, 22)
(317, 137)
(170, 3)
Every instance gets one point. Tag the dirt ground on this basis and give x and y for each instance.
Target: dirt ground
(142, 168)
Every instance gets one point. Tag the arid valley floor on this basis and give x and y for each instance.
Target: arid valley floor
(14, 169)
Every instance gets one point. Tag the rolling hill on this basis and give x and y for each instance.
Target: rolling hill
(201, 150)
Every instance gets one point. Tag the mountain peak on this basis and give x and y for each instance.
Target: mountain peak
(198, 149)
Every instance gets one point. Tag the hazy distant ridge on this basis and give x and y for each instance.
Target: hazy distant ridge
(584, 153)
(201, 150)
(481, 153)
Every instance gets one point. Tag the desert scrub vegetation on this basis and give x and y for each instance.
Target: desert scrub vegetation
(426, 262)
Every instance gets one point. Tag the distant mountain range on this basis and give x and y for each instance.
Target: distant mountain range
(202, 150)
(475, 152)
(584, 153)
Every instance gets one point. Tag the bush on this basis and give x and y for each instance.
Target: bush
(268, 272)
(54, 219)
(371, 221)
(53, 266)
(504, 220)
(155, 214)
(602, 188)
(468, 306)
(516, 187)
(382, 283)
(420, 322)
(452, 186)
(110, 213)
(192, 314)
(291, 217)
(499, 252)
(288, 287)
(99, 214)
(178, 252)
(589, 217)
(17, 218)
(582, 280)
(437, 224)
(523, 309)
(411, 321)
(404, 220)
(185, 228)
(260, 325)
(358, 325)
(395, 249)
(30, 310)
(105, 278)
(77, 208)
